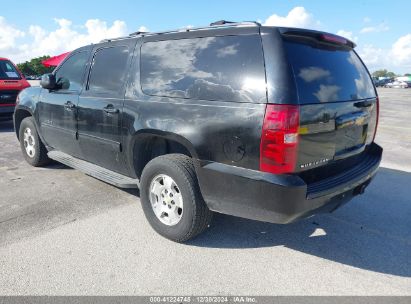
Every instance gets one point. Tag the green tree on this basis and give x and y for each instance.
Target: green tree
(34, 66)
(383, 73)
(407, 74)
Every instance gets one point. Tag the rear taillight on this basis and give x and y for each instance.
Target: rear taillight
(279, 139)
(377, 118)
(373, 122)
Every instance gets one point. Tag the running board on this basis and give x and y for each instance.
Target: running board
(93, 170)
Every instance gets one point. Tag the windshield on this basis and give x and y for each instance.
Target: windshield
(8, 71)
(328, 74)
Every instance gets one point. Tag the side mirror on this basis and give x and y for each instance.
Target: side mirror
(48, 81)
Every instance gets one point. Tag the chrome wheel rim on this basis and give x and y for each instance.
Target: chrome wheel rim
(29, 142)
(166, 199)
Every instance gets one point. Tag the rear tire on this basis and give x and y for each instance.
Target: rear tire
(171, 198)
(34, 151)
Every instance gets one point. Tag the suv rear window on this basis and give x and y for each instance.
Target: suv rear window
(229, 68)
(8, 71)
(326, 73)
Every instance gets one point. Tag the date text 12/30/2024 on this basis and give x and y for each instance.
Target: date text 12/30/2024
(203, 299)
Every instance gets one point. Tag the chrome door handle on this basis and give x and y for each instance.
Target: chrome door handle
(69, 105)
(110, 109)
(363, 104)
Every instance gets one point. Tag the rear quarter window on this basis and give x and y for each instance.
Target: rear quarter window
(327, 74)
(228, 68)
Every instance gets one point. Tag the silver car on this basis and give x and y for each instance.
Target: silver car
(398, 84)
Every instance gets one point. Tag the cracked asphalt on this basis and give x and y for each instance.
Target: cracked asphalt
(65, 233)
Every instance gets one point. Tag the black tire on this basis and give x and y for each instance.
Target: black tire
(196, 216)
(38, 155)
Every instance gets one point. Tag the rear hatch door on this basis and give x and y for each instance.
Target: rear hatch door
(338, 102)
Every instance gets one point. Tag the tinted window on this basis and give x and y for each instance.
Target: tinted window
(226, 68)
(327, 74)
(8, 71)
(108, 70)
(70, 74)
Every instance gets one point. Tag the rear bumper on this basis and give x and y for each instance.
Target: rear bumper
(282, 198)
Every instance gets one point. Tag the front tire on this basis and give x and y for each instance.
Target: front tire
(34, 151)
(171, 198)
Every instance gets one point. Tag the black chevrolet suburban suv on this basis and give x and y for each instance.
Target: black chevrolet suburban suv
(266, 123)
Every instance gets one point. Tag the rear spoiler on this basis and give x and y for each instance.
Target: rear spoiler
(320, 36)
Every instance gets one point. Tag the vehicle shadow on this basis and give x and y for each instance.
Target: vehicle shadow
(6, 125)
(372, 232)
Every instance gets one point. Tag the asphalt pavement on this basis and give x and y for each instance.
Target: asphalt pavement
(65, 233)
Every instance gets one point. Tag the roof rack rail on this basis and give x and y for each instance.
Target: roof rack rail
(114, 39)
(138, 33)
(220, 23)
(224, 22)
(124, 37)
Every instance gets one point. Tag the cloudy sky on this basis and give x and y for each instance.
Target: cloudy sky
(381, 29)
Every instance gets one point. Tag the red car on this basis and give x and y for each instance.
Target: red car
(12, 82)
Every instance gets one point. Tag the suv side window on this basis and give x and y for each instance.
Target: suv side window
(70, 74)
(108, 70)
(228, 68)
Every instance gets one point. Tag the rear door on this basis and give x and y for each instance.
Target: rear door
(100, 107)
(337, 100)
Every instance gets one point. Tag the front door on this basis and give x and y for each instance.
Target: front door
(58, 108)
(100, 106)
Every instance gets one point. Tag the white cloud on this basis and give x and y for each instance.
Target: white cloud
(327, 92)
(297, 17)
(227, 51)
(313, 73)
(398, 57)
(65, 38)
(382, 27)
(20, 46)
(347, 34)
(8, 34)
(372, 56)
(143, 29)
(401, 50)
(37, 33)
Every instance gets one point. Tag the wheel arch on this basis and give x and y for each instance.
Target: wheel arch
(148, 144)
(19, 114)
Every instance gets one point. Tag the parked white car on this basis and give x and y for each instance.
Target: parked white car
(398, 84)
